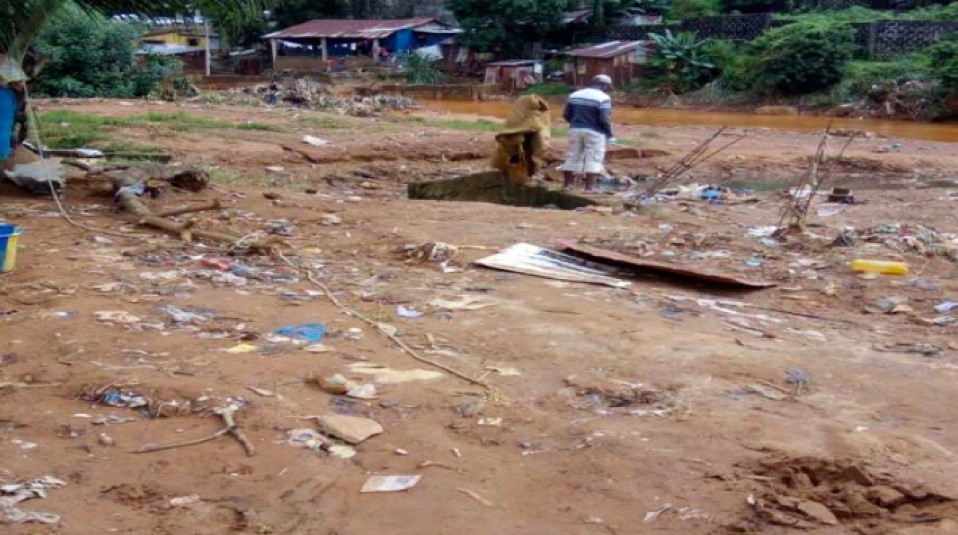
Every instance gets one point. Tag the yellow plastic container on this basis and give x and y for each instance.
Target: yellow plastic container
(880, 266)
(9, 237)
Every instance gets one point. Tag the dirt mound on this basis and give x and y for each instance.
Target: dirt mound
(806, 492)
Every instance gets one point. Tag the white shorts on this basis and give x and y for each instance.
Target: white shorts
(586, 152)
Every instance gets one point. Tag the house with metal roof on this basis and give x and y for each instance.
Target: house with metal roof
(308, 46)
(623, 61)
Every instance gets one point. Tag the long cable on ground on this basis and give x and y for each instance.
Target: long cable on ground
(494, 392)
(32, 115)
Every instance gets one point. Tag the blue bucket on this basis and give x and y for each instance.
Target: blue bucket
(8, 113)
(9, 239)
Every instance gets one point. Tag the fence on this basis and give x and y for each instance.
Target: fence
(876, 40)
(880, 40)
(734, 27)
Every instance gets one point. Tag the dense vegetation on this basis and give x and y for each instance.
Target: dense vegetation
(811, 60)
(88, 56)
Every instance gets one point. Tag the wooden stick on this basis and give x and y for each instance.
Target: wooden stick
(212, 205)
(231, 428)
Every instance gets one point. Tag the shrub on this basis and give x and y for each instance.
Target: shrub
(943, 57)
(860, 76)
(420, 70)
(800, 58)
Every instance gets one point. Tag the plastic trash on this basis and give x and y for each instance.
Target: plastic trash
(310, 332)
(880, 266)
(390, 483)
(947, 306)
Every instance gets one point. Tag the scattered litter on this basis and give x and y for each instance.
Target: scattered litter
(880, 266)
(184, 316)
(342, 451)
(405, 312)
(116, 316)
(761, 232)
(352, 429)
(318, 348)
(306, 332)
(464, 302)
(437, 252)
(330, 220)
(925, 350)
(353, 333)
(541, 262)
(385, 375)
(242, 348)
(947, 306)
(111, 420)
(829, 211)
(754, 262)
(124, 399)
(261, 391)
(106, 441)
(25, 445)
(475, 496)
(315, 141)
(183, 501)
(307, 438)
(363, 391)
(652, 516)
(15, 493)
(796, 376)
(490, 422)
(504, 371)
(390, 483)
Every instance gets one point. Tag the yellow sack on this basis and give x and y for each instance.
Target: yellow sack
(524, 139)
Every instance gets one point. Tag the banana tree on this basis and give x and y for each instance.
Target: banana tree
(683, 57)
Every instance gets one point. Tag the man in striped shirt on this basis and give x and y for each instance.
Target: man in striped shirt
(589, 114)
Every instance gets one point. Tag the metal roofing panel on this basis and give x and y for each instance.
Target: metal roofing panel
(348, 28)
(513, 63)
(606, 50)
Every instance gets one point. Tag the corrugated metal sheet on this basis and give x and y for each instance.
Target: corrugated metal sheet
(606, 50)
(513, 63)
(348, 28)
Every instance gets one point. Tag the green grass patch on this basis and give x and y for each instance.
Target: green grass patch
(326, 122)
(62, 129)
(264, 127)
(549, 90)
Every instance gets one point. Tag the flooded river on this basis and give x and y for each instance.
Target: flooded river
(667, 117)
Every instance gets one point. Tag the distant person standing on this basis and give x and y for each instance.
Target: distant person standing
(589, 114)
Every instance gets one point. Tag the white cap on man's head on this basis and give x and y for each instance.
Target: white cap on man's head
(602, 79)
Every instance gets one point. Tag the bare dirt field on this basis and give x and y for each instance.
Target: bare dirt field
(822, 405)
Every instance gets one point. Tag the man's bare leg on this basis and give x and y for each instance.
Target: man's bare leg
(568, 180)
(590, 181)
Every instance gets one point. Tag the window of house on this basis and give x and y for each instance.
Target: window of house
(192, 41)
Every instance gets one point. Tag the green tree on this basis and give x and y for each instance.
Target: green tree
(800, 58)
(292, 12)
(88, 55)
(506, 25)
(241, 28)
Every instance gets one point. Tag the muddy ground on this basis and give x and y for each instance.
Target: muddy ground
(651, 409)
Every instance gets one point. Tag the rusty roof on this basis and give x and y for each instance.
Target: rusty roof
(348, 28)
(607, 50)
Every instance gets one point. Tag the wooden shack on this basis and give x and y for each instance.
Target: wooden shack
(624, 61)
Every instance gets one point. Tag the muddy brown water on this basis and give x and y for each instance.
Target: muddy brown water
(667, 117)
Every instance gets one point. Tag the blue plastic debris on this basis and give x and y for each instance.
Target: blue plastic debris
(310, 332)
(796, 376)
